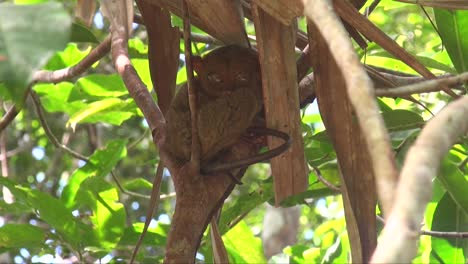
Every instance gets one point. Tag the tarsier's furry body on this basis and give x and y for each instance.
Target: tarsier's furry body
(229, 85)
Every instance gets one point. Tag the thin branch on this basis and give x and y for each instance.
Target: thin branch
(398, 243)
(371, 8)
(123, 190)
(65, 74)
(440, 234)
(48, 131)
(8, 117)
(361, 94)
(425, 86)
(138, 140)
(192, 90)
(323, 180)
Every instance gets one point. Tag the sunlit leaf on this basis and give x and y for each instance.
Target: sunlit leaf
(102, 85)
(453, 28)
(70, 56)
(100, 164)
(242, 246)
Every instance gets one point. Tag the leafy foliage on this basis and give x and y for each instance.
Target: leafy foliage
(94, 209)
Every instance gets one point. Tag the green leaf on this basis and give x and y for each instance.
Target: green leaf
(109, 216)
(69, 57)
(244, 204)
(455, 183)
(54, 97)
(142, 68)
(449, 218)
(453, 28)
(29, 36)
(54, 212)
(110, 110)
(435, 64)
(242, 246)
(99, 165)
(137, 184)
(80, 33)
(21, 236)
(102, 85)
(400, 119)
(155, 236)
(296, 254)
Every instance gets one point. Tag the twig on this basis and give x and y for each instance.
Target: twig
(8, 117)
(192, 90)
(48, 132)
(153, 207)
(138, 140)
(64, 74)
(440, 234)
(361, 94)
(371, 8)
(398, 243)
(425, 86)
(323, 180)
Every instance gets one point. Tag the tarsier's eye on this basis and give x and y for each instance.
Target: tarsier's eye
(242, 77)
(214, 78)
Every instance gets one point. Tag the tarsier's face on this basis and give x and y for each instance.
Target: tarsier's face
(226, 69)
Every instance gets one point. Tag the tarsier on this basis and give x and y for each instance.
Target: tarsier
(230, 95)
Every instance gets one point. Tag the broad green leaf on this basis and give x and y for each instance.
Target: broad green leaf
(137, 48)
(69, 57)
(296, 254)
(21, 236)
(108, 108)
(109, 216)
(137, 184)
(244, 204)
(449, 217)
(436, 64)
(54, 213)
(99, 165)
(455, 183)
(399, 119)
(181, 76)
(142, 68)
(313, 118)
(242, 246)
(453, 28)
(101, 85)
(155, 236)
(80, 33)
(54, 97)
(29, 36)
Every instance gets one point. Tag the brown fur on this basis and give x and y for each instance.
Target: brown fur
(230, 96)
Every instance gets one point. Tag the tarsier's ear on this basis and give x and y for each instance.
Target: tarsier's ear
(197, 64)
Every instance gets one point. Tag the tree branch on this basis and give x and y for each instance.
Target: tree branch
(399, 238)
(64, 74)
(361, 95)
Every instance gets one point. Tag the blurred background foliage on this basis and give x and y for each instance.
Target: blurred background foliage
(57, 208)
